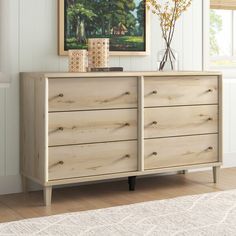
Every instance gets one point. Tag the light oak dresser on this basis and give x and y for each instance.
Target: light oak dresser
(95, 126)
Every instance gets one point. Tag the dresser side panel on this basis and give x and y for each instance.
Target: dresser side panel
(33, 127)
(41, 128)
(27, 116)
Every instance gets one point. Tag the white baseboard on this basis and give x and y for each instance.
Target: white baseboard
(229, 160)
(12, 184)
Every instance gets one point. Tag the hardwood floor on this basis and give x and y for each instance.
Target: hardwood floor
(101, 195)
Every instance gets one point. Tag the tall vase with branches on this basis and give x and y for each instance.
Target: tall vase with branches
(168, 12)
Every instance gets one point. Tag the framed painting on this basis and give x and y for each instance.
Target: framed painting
(124, 22)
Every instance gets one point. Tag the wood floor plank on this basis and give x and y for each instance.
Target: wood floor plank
(7, 214)
(103, 195)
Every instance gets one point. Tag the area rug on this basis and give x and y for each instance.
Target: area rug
(206, 214)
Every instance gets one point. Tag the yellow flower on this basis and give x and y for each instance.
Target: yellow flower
(168, 13)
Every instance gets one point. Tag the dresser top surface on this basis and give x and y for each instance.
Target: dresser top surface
(118, 74)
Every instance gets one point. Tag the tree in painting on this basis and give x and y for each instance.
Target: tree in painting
(123, 21)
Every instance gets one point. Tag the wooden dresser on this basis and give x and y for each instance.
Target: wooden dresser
(96, 126)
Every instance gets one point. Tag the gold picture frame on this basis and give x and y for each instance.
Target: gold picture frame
(61, 35)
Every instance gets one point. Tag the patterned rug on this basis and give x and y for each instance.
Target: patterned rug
(207, 214)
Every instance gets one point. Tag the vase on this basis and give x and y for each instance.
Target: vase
(168, 60)
(98, 52)
(78, 60)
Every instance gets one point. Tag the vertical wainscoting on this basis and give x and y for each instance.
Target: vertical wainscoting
(3, 67)
(32, 30)
(2, 132)
(229, 122)
(9, 110)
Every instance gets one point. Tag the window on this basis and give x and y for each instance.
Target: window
(223, 33)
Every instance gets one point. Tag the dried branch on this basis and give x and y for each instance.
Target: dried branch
(168, 14)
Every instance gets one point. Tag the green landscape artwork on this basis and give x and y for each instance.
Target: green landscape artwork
(123, 21)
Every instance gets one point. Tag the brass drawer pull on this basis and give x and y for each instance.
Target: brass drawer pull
(61, 162)
(154, 122)
(127, 124)
(127, 93)
(210, 148)
(210, 90)
(154, 153)
(61, 128)
(154, 92)
(61, 95)
(127, 156)
(210, 119)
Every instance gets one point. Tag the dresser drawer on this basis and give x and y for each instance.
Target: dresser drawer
(175, 121)
(180, 151)
(92, 93)
(92, 126)
(170, 91)
(92, 159)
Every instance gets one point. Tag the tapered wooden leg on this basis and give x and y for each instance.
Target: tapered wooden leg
(47, 193)
(216, 174)
(132, 182)
(24, 184)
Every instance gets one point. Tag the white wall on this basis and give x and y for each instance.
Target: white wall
(229, 95)
(229, 121)
(32, 46)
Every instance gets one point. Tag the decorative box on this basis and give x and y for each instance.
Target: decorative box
(78, 60)
(98, 52)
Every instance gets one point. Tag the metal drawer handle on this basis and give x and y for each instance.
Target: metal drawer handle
(127, 93)
(154, 122)
(61, 162)
(210, 119)
(154, 92)
(127, 156)
(210, 90)
(61, 95)
(127, 124)
(61, 128)
(210, 148)
(154, 153)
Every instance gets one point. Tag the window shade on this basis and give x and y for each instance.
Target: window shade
(223, 4)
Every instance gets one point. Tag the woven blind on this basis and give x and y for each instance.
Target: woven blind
(223, 4)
